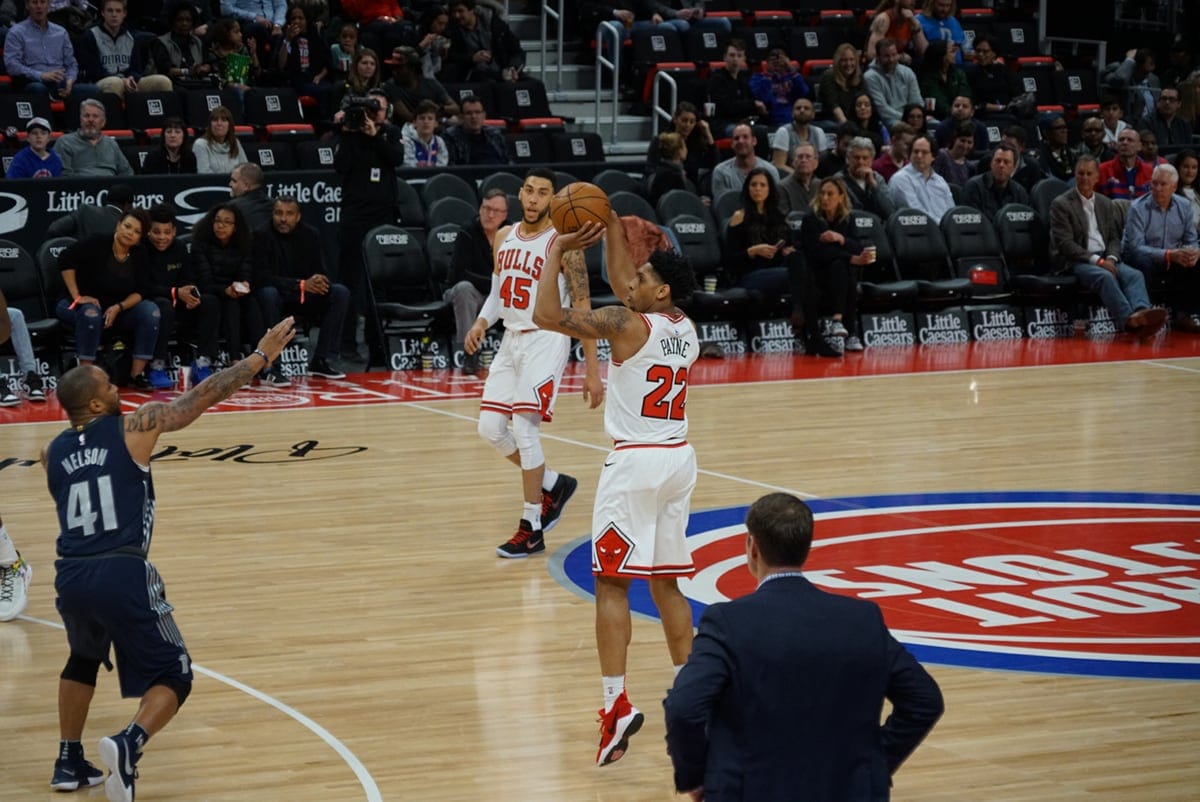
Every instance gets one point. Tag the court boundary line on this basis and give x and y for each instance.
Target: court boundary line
(365, 779)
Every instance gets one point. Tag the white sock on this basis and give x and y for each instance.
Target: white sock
(613, 688)
(533, 514)
(8, 552)
(549, 479)
(677, 669)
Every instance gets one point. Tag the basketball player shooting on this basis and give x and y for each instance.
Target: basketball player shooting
(640, 516)
(526, 373)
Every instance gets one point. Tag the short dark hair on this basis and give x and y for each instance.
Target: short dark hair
(285, 200)
(472, 99)
(542, 172)
(1018, 133)
(77, 387)
(675, 270)
(142, 218)
(427, 106)
(162, 213)
(782, 526)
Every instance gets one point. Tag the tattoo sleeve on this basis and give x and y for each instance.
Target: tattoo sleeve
(574, 268)
(594, 323)
(157, 416)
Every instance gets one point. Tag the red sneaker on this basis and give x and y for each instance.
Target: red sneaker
(616, 727)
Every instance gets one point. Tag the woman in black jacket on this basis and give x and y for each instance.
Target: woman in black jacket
(702, 154)
(670, 173)
(173, 156)
(759, 242)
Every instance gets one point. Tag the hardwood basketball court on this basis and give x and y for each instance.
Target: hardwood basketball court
(357, 639)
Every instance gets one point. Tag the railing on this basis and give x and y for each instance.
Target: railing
(656, 108)
(557, 14)
(606, 32)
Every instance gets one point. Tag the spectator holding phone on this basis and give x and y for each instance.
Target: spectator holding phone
(759, 241)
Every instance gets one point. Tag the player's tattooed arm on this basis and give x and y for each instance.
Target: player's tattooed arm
(606, 323)
(574, 269)
(170, 417)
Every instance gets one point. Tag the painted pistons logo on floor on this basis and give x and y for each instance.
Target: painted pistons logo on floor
(1085, 583)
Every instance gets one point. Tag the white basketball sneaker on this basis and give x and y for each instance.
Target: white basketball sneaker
(14, 588)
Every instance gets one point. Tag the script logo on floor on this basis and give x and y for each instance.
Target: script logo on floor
(1083, 583)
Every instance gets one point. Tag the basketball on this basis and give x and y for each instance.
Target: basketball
(576, 204)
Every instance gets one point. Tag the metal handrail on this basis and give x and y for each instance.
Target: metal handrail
(656, 109)
(606, 30)
(557, 14)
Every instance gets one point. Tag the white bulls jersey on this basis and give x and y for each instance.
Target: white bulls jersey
(520, 260)
(647, 392)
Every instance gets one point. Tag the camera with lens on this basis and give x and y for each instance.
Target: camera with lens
(357, 111)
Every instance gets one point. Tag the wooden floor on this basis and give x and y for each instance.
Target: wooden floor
(356, 638)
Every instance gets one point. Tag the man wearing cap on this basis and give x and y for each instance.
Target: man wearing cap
(36, 160)
(89, 220)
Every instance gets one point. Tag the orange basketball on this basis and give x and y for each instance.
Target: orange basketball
(576, 204)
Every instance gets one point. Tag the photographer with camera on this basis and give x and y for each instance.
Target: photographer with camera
(368, 152)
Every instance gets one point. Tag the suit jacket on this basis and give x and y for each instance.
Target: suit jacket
(782, 696)
(1069, 229)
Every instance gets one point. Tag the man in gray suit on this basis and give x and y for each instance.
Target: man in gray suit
(1085, 237)
(89, 220)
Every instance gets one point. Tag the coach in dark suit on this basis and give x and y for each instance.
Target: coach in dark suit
(1085, 238)
(782, 694)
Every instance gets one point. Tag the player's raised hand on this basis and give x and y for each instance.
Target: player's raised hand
(583, 238)
(277, 337)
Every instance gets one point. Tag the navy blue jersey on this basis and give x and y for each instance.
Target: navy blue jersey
(105, 500)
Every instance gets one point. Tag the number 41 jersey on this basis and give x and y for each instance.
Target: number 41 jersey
(647, 393)
(105, 500)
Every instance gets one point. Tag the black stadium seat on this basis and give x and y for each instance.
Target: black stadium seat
(975, 252)
(626, 203)
(146, 110)
(921, 255)
(450, 210)
(276, 155)
(448, 185)
(576, 146)
(401, 282)
(1025, 244)
(880, 288)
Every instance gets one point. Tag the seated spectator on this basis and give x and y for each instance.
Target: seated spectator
(1187, 164)
(260, 21)
(796, 192)
(702, 154)
(173, 156)
(422, 146)
(1160, 240)
(1029, 168)
(895, 20)
(800, 129)
(103, 277)
(917, 186)
(222, 254)
(832, 256)
(669, 173)
(1093, 144)
(233, 61)
(867, 189)
(1056, 156)
(896, 155)
(217, 150)
(730, 93)
(290, 274)
(941, 79)
(1134, 82)
(1085, 238)
(92, 220)
(408, 87)
(433, 41)
(834, 160)
(1189, 101)
(36, 159)
(303, 58)
(778, 87)
(953, 161)
(915, 117)
(472, 142)
(470, 279)
(626, 15)
(991, 82)
(88, 151)
(343, 52)
(939, 23)
(729, 175)
(840, 84)
(961, 110)
(1125, 176)
(174, 287)
(22, 345)
(38, 54)
(758, 242)
(482, 46)
(868, 122)
(179, 53)
(248, 194)
(992, 190)
(110, 57)
(1111, 113)
(381, 23)
(1148, 150)
(892, 85)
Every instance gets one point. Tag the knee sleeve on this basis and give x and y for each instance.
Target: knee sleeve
(493, 427)
(81, 669)
(527, 432)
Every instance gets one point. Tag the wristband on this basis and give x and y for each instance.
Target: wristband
(74, 304)
(301, 290)
(1168, 257)
(266, 359)
(173, 298)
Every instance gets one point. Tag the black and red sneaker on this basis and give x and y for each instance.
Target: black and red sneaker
(524, 542)
(554, 500)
